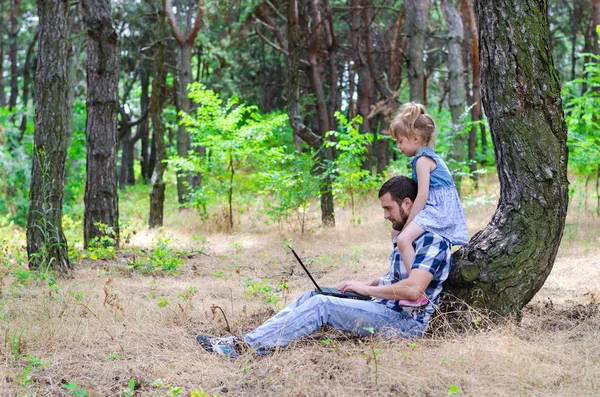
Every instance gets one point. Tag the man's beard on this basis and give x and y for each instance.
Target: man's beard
(399, 224)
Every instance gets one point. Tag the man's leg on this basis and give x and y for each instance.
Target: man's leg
(312, 311)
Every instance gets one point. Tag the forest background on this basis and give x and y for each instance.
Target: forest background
(205, 87)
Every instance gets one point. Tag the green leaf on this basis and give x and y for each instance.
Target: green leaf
(70, 386)
(454, 390)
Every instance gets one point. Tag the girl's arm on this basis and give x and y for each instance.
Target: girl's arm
(424, 167)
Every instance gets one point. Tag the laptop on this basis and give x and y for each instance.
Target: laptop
(330, 291)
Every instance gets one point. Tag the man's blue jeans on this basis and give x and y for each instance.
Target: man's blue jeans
(312, 311)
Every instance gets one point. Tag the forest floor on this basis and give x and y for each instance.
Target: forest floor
(109, 328)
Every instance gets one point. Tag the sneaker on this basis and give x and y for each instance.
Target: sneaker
(422, 301)
(230, 346)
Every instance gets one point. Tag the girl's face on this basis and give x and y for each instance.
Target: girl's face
(409, 146)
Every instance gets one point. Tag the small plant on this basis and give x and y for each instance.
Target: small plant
(131, 391)
(75, 390)
(350, 177)
(263, 289)
(174, 390)
(373, 355)
(162, 302)
(454, 390)
(113, 356)
(186, 297)
(162, 258)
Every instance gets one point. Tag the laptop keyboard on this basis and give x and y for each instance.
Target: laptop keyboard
(331, 290)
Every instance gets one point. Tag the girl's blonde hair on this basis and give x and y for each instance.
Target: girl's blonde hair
(412, 120)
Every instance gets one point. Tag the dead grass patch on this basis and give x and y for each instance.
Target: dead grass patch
(108, 324)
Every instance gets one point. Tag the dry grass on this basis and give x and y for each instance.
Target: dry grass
(106, 326)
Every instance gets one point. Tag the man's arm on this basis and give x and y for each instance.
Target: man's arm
(411, 288)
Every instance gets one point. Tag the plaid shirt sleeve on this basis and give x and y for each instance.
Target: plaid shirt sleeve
(432, 252)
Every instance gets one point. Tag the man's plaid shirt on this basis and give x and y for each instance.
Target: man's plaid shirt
(433, 253)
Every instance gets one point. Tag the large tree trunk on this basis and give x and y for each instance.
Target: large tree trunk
(416, 17)
(101, 193)
(157, 195)
(457, 96)
(46, 243)
(14, 68)
(506, 263)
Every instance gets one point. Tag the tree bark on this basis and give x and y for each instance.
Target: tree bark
(46, 243)
(416, 17)
(14, 68)
(157, 195)
(101, 193)
(506, 263)
(457, 96)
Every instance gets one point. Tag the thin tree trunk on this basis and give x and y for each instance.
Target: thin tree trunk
(2, 92)
(456, 96)
(364, 89)
(14, 68)
(186, 44)
(397, 57)
(74, 50)
(476, 114)
(416, 16)
(315, 141)
(26, 84)
(46, 243)
(101, 194)
(157, 196)
(143, 129)
(595, 22)
(506, 263)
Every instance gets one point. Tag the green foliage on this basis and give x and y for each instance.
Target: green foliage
(75, 390)
(50, 236)
(162, 258)
(131, 391)
(288, 185)
(264, 290)
(75, 165)
(454, 390)
(583, 123)
(104, 246)
(350, 178)
(236, 139)
(15, 169)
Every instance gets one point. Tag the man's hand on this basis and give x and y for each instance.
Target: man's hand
(360, 287)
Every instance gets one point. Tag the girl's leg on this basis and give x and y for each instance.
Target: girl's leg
(405, 241)
(407, 252)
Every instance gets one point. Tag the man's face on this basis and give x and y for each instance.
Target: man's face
(394, 212)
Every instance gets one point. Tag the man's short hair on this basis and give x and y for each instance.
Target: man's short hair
(399, 187)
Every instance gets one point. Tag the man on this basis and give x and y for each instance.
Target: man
(382, 315)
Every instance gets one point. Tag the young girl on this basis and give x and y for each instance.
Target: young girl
(437, 207)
